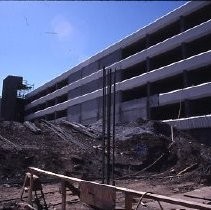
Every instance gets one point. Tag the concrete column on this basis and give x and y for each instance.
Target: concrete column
(186, 102)
(56, 100)
(119, 75)
(148, 64)
(185, 79)
(184, 50)
(148, 102)
(188, 111)
(55, 115)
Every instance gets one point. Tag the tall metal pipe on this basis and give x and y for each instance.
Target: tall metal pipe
(109, 126)
(114, 127)
(103, 124)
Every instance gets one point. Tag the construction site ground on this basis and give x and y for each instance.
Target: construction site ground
(150, 157)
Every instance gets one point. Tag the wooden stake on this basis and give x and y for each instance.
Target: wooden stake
(128, 201)
(63, 188)
(30, 189)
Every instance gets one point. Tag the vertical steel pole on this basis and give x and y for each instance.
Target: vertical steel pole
(114, 124)
(103, 124)
(109, 127)
(31, 181)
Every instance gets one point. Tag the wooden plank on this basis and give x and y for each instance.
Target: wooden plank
(30, 189)
(166, 199)
(98, 196)
(63, 189)
(128, 201)
(38, 171)
(163, 198)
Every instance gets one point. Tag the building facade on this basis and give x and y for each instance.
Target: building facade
(163, 73)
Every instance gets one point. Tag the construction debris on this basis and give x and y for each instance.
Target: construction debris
(31, 126)
(141, 146)
(144, 149)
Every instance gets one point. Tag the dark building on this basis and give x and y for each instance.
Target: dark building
(12, 103)
(0, 108)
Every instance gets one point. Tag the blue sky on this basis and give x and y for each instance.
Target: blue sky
(39, 40)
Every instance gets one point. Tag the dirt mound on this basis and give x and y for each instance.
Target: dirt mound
(73, 149)
(54, 148)
(154, 146)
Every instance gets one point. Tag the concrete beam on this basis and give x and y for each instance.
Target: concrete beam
(189, 93)
(191, 122)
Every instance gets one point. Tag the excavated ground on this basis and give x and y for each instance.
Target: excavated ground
(149, 157)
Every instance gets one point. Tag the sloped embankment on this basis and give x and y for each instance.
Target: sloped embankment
(76, 150)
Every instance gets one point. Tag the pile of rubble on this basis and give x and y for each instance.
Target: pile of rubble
(155, 146)
(54, 147)
(73, 149)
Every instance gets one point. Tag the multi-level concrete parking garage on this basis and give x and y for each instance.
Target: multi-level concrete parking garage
(163, 73)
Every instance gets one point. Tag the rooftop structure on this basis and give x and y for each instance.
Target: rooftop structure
(13, 94)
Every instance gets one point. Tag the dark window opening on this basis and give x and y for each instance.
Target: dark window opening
(50, 103)
(135, 93)
(164, 33)
(50, 116)
(62, 98)
(51, 89)
(198, 17)
(166, 58)
(27, 112)
(41, 94)
(200, 106)
(31, 110)
(61, 114)
(28, 100)
(37, 119)
(134, 48)
(167, 85)
(41, 106)
(199, 76)
(62, 84)
(134, 71)
(198, 46)
(172, 111)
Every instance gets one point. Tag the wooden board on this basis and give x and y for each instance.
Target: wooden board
(157, 197)
(99, 196)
